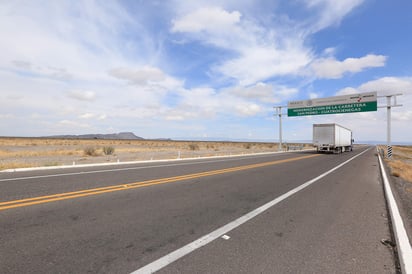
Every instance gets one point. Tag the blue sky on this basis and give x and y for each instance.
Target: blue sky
(200, 69)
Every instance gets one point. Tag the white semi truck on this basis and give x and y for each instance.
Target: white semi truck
(332, 138)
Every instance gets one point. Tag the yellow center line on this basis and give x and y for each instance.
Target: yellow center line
(113, 188)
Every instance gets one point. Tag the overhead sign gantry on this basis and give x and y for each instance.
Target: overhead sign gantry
(358, 102)
(334, 105)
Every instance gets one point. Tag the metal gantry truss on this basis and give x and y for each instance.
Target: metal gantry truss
(391, 101)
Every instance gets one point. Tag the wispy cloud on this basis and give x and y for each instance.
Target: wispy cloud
(147, 76)
(326, 13)
(333, 69)
(54, 73)
(208, 19)
(261, 53)
(82, 95)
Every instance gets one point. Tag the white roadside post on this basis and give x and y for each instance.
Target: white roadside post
(280, 127)
(388, 130)
(279, 113)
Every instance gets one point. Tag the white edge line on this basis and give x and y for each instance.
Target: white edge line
(183, 251)
(402, 240)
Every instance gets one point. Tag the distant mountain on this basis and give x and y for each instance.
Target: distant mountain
(112, 136)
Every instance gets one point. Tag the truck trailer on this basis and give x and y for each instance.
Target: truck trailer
(332, 138)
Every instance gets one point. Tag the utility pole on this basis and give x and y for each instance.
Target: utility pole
(279, 113)
(388, 127)
(389, 105)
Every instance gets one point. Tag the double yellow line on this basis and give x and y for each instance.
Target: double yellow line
(101, 190)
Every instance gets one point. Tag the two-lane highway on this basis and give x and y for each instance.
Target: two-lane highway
(119, 219)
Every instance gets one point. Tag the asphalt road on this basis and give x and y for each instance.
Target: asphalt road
(119, 219)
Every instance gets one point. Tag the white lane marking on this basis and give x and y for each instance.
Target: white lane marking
(132, 168)
(183, 251)
(402, 240)
(225, 237)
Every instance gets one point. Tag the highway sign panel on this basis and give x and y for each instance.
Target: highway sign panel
(360, 102)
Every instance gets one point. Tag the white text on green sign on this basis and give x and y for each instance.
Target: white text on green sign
(360, 102)
(333, 109)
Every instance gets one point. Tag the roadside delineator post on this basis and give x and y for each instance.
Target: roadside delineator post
(389, 151)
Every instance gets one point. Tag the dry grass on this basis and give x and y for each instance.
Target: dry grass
(13, 165)
(41, 153)
(26, 152)
(401, 163)
(401, 169)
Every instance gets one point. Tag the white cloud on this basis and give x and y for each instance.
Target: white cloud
(372, 125)
(333, 69)
(313, 95)
(141, 76)
(22, 64)
(174, 117)
(261, 52)
(259, 62)
(212, 19)
(102, 117)
(6, 116)
(389, 85)
(404, 116)
(260, 91)
(248, 109)
(40, 71)
(82, 95)
(265, 93)
(207, 103)
(72, 124)
(68, 40)
(383, 86)
(330, 12)
(95, 116)
(202, 101)
(147, 76)
(87, 115)
(347, 91)
(179, 115)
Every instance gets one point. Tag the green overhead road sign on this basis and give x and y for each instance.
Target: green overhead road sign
(333, 109)
(334, 105)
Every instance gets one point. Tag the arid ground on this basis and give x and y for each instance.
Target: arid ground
(35, 152)
(400, 168)
(401, 163)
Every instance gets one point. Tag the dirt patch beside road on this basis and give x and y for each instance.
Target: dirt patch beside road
(400, 167)
(35, 152)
